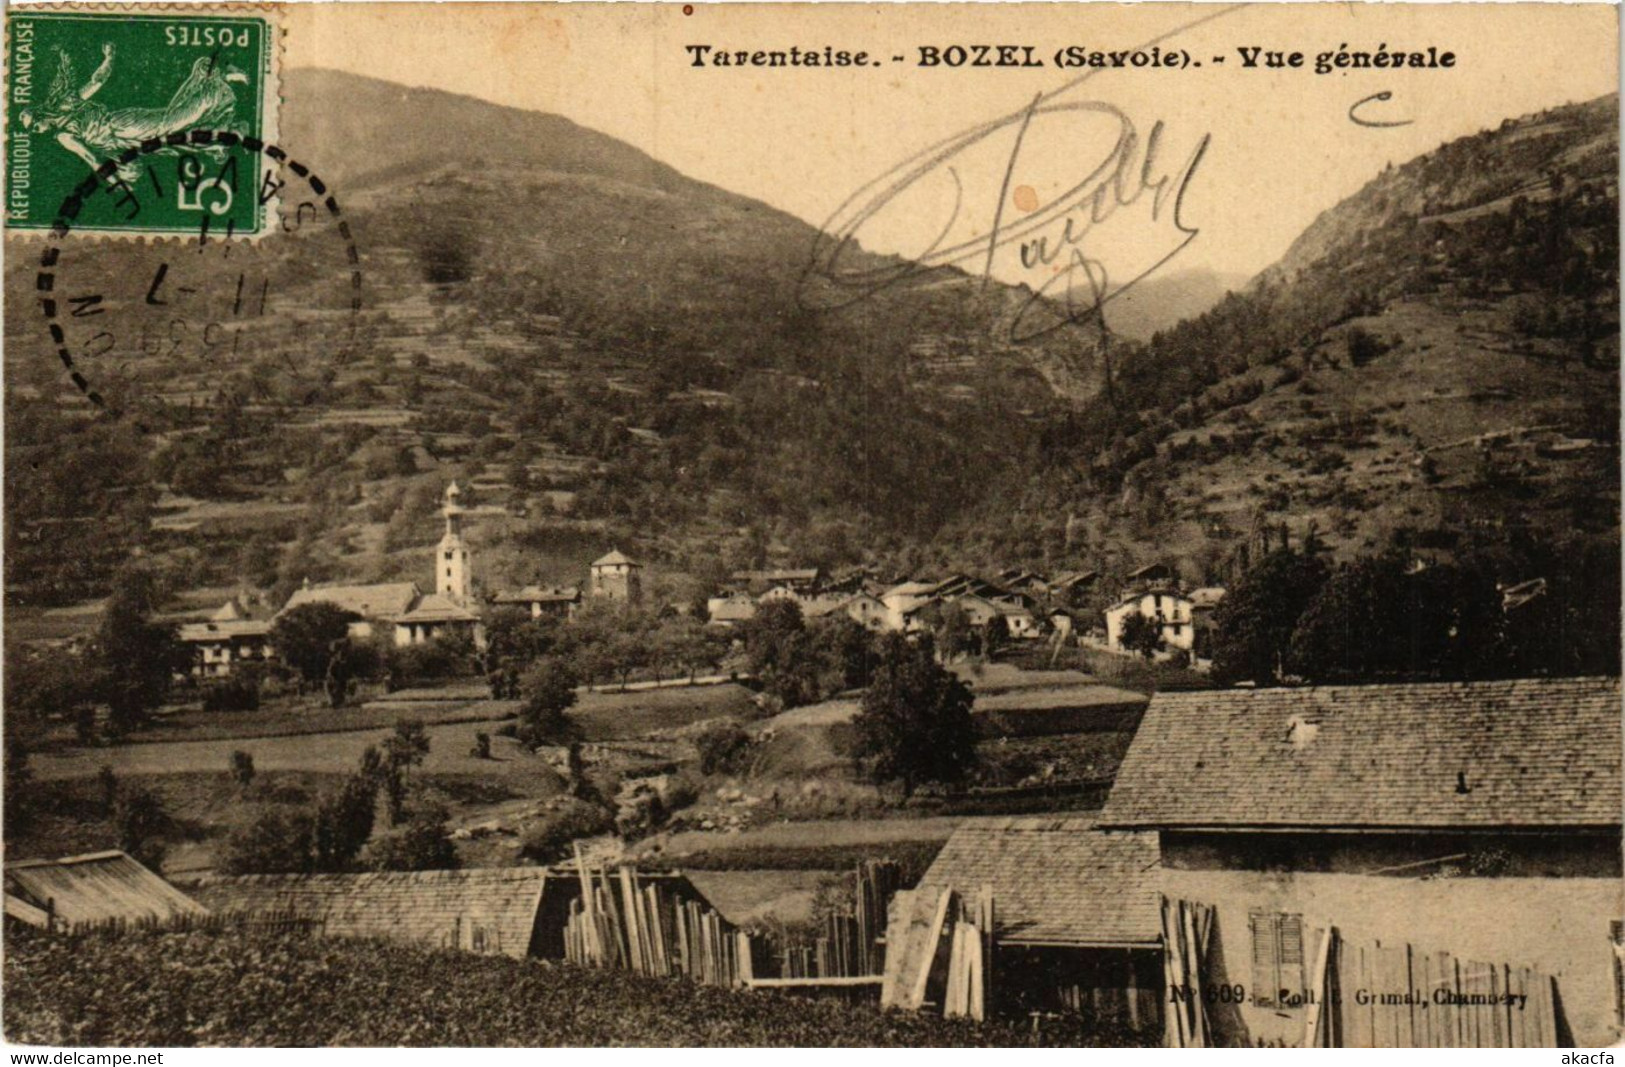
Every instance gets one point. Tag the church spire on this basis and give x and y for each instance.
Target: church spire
(453, 568)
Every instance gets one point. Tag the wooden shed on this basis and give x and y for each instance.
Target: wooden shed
(1077, 911)
(98, 887)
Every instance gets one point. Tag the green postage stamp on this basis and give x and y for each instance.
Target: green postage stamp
(167, 108)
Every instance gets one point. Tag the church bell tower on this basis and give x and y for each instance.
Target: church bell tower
(452, 569)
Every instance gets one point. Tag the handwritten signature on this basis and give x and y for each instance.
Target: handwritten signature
(1059, 245)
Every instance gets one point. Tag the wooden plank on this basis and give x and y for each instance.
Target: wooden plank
(1407, 1011)
(976, 978)
(853, 981)
(1173, 1028)
(1319, 987)
(954, 1001)
(929, 951)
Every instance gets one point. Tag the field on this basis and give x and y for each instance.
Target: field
(262, 990)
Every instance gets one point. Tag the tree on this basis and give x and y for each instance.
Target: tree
(308, 637)
(1374, 619)
(684, 642)
(137, 658)
(782, 655)
(1253, 624)
(915, 721)
(1142, 634)
(952, 628)
(278, 842)
(423, 844)
(549, 692)
(242, 769)
(343, 823)
(995, 635)
(407, 747)
(140, 821)
(847, 649)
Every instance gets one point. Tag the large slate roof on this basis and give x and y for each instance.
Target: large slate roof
(1538, 753)
(490, 910)
(1056, 881)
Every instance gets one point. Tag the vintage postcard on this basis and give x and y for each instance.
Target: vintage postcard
(812, 524)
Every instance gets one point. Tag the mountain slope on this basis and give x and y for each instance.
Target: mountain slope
(1435, 361)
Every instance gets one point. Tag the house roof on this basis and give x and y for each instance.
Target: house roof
(96, 887)
(819, 606)
(437, 608)
(1056, 881)
(909, 589)
(1206, 597)
(734, 608)
(428, 907)
(1071, 578)
(1150, 570)
(1529, 753)
(369, 601)
(1141, 594)
(536, 594)
(792, 574)
(201, 632)
(616, 558)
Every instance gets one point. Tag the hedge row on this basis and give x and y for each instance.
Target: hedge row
(242, 989)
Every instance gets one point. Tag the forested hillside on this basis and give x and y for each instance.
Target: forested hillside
(605, 351)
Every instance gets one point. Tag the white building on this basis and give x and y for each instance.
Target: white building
(1166, 606)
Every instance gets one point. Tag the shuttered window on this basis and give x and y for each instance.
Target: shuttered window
(1277, 957)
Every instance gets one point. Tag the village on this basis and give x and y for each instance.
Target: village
(1188, 864)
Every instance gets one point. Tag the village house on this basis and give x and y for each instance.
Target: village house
(616, 576)
(1150, 574)
(803, 581)
(228, 637)
(1070, 587)
(1378, 839)
(412, 616)
(1165, 605)
(903, 601)
(372, 605)
(865, 610)
(554, 601)
(730, 609)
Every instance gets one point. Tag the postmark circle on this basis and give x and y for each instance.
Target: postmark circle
(63, 310)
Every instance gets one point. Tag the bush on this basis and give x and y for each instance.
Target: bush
(722, 748)
(140, 820)
(188, 989)
(423, 844)
(232, 694)
(278, 842)
(242, 769)
(549, 841)
(434, 660)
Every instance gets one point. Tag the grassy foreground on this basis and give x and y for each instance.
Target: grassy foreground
(242, 989)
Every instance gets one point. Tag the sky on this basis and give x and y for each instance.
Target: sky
(1272, 148)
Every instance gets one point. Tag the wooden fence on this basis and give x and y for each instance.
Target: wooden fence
(848, 944)
(622, 922)
(279, 922)
(1398, 996)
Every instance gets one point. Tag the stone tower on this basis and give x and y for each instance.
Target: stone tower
(452, 569)
(617, 577)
